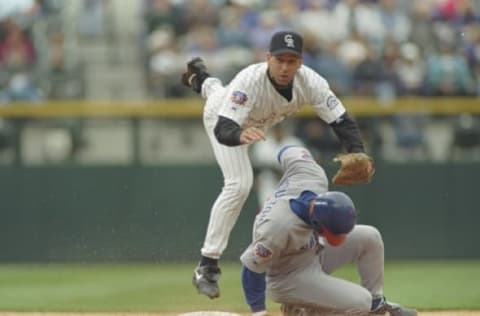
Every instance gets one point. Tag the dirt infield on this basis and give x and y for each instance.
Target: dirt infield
(423, 313)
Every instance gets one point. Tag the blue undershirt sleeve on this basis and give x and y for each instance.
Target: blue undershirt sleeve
(254, 287)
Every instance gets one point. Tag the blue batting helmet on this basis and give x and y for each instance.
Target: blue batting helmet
(333, 215)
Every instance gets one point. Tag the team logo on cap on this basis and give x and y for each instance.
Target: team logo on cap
(239, 97)
(289, 40)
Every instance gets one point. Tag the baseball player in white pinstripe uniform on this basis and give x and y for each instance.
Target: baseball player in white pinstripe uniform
(239, 114)
(304, 233)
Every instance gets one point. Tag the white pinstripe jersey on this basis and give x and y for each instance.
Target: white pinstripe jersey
(251, 100)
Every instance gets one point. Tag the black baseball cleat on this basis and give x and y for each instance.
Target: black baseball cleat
(393, 309)
(195, 75)
(205, 279)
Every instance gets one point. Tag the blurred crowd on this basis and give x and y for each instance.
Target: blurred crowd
(35, 60)
(377, 48)
(382, 48)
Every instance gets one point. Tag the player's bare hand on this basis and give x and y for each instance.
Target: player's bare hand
(251, 135)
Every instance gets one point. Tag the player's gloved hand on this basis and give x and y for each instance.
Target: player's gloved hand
(355, 168)
(251, 135)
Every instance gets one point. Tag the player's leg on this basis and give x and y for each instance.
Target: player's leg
(314, 288)
(238, 179)
(364, 247)
(237, 172)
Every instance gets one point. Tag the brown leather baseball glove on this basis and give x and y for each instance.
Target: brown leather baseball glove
(355, 168)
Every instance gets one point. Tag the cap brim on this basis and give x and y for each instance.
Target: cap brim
(333, 239)
(285, 51)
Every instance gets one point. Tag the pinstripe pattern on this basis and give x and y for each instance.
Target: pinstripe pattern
(251, 100)
(238, 180)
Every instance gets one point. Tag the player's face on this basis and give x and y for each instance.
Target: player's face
(282, 68)
(333, 239)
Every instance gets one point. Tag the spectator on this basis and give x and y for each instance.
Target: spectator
(65, 77)
(164, 64)
(199, 13)
(410, 70)
(21, 87)
(288, 12)
(164, 14)
(395, 23)
(448, 73)
(331, 67)
(423, 35)
(16, 48)
(17, 8)
(318, 17)
(260, 36)
(353, 51)
(91, 20)
(368, 74)
(344, 16)
(231, 32)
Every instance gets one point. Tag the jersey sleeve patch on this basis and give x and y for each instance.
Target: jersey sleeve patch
(306, 155)
(262, 252)
(239, 97)
(332, 102)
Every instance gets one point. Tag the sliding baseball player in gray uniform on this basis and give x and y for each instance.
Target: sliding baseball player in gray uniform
(240, 113)
(303, 234)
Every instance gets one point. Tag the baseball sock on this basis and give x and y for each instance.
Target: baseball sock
(206, 261)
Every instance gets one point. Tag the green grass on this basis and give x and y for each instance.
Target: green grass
(167, 287)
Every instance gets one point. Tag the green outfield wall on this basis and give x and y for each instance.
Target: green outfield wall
(160, 213)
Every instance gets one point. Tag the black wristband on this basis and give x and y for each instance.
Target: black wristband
(348, 133)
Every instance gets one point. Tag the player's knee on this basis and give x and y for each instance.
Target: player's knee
(239, 188)
(371, 236)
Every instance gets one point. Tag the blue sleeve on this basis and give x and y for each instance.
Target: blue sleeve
(254, 286)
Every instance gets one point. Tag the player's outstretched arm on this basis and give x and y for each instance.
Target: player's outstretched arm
(348, 133)
(230, 133)
(254, 287)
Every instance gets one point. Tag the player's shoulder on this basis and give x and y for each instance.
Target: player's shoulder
(307, 75)
(252, 74)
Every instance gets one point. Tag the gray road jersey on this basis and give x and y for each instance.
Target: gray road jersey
(282, 242)
(287, 249)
